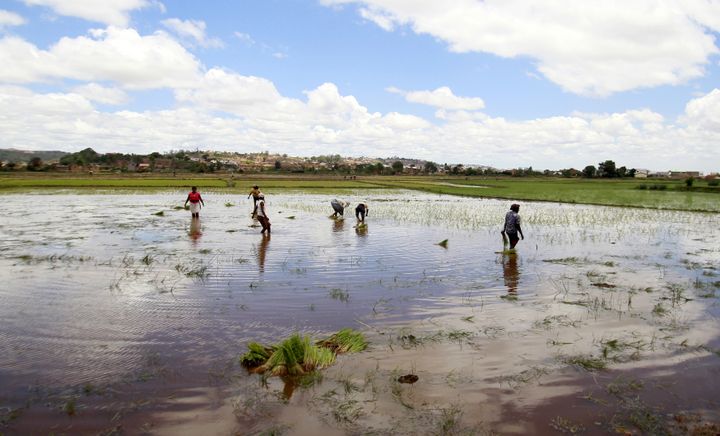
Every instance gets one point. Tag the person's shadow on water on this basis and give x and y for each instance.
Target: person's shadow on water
(511, 273)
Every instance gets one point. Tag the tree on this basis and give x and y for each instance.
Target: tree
(631, 172)
(622, 172)
(278, 165)
(589, 171)
(430, 167)
(397, 166)
(607, 169)
(35, 164)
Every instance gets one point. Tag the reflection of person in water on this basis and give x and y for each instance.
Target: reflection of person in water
(262, 251)
(338, 225)
(339, 207)
(195, 230)
(511, 272)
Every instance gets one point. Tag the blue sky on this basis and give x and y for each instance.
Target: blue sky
(501, 83)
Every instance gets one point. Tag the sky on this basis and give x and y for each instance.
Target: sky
(549, 84)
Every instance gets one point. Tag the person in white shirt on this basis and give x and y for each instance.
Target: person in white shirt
(262, 214)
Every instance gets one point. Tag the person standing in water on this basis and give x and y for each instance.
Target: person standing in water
(512, 227)
(196, 201)
(361, 211)
(339, 207)
(262, 214)
(254, 192)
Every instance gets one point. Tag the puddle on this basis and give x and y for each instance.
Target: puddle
(131, 319)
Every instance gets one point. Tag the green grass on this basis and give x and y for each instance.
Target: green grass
(582, 191)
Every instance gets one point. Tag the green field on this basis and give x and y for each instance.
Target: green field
(583, 191)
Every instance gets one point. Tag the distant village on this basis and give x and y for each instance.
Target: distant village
(88, 161)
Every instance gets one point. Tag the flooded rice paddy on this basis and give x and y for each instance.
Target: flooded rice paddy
(120, 315)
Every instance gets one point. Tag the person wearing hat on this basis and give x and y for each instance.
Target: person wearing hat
(254, 192)
(262, 214)
(339, 207)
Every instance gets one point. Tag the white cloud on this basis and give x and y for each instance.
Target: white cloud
(193, 30)
(586, 47)
(8, 19)
(256, 116)
(442, 98)
(118, 55)
(102, 94)
(110, 12)
(704, 112)
(244, 37)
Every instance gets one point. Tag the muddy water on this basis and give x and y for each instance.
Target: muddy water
(114, 318)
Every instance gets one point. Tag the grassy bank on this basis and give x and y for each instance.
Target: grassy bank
(600, 192)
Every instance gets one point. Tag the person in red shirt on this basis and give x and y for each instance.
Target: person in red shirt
(196, 201)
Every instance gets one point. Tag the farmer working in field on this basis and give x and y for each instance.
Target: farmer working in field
(361, 211)
(262, 214)
(512, 226)
(195, 200)
(339, 207)
(254, 192)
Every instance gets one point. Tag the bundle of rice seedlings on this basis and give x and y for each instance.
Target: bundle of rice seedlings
(298, 355)
(287, 358)
(317, 357)
(345, 341)
(256, 356)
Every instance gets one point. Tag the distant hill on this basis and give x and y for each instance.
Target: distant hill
(13, 155)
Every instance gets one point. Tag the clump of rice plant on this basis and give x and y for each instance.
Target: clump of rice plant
(345, 341)
(298, 355)
(161, 213)
(443, 243)
(228, 204)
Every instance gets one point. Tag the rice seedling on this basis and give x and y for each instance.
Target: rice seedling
(345, 341)
(526, 376)
(443, 243)
(564, 425)
(587, 362)
(9, 415)
(621, 386)
(297, 355)
(228, 204)
(205, 251)
(339, 294)
(147, 259)
(70, 407)
(659, 310)
(161, 213)
(291, 217)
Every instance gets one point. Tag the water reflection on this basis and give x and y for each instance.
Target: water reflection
(262, 251)
(338, 225)
(511, 274)
(361, 229)
(195, 230)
